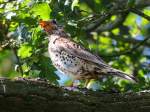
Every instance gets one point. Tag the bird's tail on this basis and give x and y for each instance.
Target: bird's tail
(121, 74)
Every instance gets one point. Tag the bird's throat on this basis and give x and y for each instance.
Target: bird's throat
(59, 33)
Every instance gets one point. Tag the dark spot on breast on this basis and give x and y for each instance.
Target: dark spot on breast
(67, 59)
(68, 56)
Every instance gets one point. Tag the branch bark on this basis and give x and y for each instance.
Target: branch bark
(37, 96)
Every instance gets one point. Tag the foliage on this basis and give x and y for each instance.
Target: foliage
(120, 46)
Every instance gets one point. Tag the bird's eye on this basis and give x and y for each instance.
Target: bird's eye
(54, 21)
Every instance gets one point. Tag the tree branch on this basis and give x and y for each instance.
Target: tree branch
(129, 40)
(38, 96)
(99, 21)
(129, 51)
(141, 3)
(111, 25)
(138, 12)
(116, 9)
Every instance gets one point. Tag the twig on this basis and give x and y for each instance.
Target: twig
(128, 40)
(18, 61)
(138, 45)
(138, 12)
(111, 25)
(97, 22)
(127, 52)
(118, 9)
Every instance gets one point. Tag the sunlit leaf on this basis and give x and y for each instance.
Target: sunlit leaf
(74, 3)
(25, 51)
(113, 18)
(115, 31)
(43, 10)
(34, 73)
(85, 7)
(25, 67)
(105, 40)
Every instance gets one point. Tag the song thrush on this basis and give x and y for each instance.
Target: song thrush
(73, 59)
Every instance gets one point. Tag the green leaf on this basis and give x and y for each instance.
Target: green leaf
(25, 51)
(116, 31)
(131, 3)
(1, 10)
(43, 10)
(47, 70)
(74, 3)
(131, 18)
(34, 73)
(35, 35)
(1, 1)
(25, 67)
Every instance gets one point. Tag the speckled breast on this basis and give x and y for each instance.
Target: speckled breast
(67, 63)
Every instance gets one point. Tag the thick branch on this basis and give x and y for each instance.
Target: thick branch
(29, 96)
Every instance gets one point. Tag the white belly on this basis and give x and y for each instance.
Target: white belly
(68, 64)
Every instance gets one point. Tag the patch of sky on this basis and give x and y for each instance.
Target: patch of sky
(146, 51)
(63, 77)
(139, 37)
(138, 20)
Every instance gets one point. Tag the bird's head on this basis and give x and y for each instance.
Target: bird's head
(49, 26)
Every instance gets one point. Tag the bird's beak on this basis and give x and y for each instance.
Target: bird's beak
(42, 23)
(46, 25)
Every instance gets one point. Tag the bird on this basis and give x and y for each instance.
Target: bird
(75, 60)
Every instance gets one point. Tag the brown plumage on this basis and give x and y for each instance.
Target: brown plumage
(73, 59)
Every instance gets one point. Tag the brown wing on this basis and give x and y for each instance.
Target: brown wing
(77, 50)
